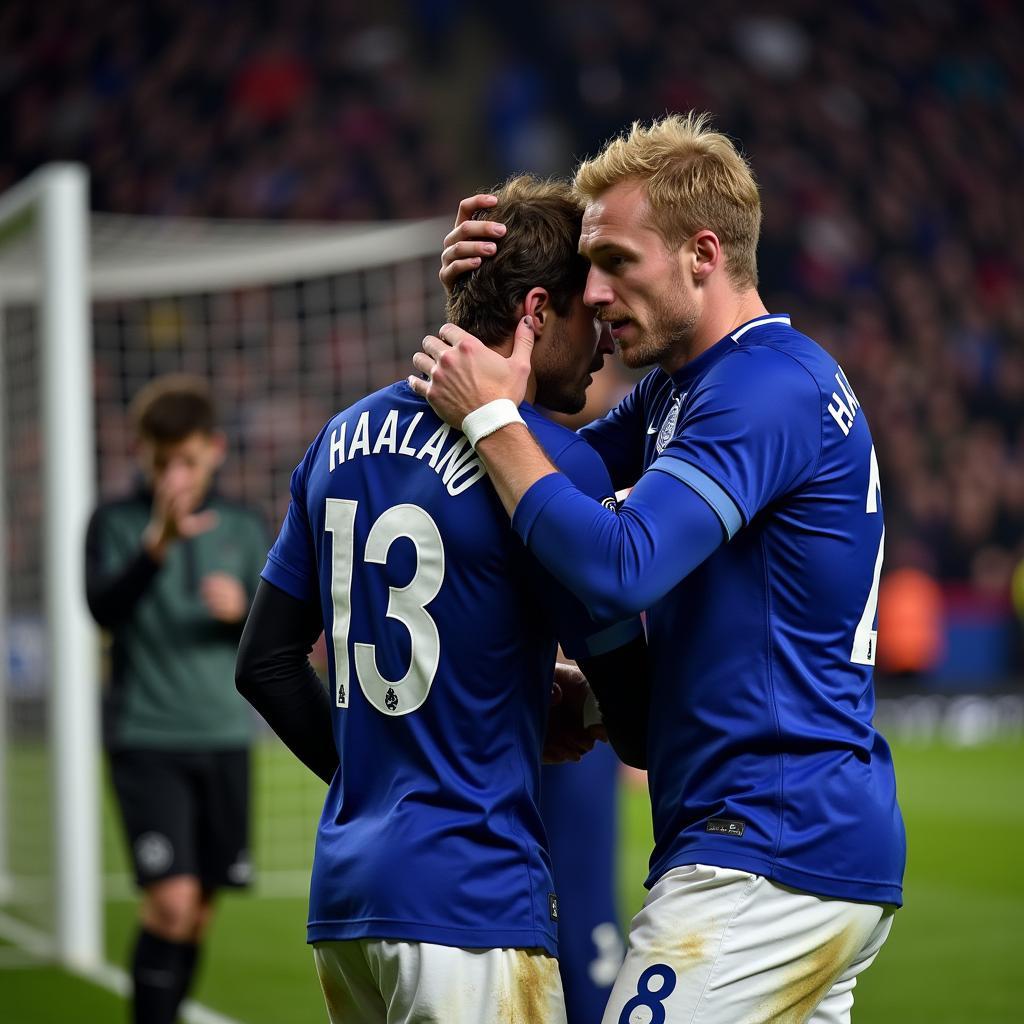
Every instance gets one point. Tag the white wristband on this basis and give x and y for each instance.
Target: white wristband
(489, 418)
(591, 712)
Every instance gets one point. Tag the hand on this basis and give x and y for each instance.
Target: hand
(173, 518)
(469, 241)
(568, 738)
(224, 596)
(464, 374)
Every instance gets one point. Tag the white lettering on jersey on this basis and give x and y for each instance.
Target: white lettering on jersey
(462, 469)
(843, 409)
(361, 436)
(434, 445)
(388, 436)
(405, 448)
(456, 464)
(338, 445)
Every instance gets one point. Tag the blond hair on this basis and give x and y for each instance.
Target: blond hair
(695, 178)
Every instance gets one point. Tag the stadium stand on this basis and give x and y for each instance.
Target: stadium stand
(883, 136)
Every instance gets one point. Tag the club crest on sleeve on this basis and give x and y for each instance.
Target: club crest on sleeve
(668, 427)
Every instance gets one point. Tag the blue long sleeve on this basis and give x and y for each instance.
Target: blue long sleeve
(620, 563)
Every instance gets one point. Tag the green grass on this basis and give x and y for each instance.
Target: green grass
(42, 995)
(951, 959)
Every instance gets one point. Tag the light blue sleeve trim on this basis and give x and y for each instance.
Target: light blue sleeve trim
(613, 637)
(724, 507)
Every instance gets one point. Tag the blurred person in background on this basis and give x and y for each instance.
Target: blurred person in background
(431, 897)
(170, 572)
(753, 538)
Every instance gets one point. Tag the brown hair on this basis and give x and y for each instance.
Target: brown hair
(695, 178)
(539, 249)
(170, 408)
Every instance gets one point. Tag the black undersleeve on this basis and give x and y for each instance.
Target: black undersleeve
(274, 675)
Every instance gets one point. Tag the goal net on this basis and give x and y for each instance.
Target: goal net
(289, 323)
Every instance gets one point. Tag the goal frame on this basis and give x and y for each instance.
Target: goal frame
(48, 229)
(53, 203)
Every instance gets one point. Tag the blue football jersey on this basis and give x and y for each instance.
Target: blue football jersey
(763, 754)
(442, 635)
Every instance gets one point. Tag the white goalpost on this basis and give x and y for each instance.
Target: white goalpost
(289, 322)
(51, 208)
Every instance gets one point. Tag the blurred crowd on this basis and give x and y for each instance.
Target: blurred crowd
(300, 109)
(884, 137)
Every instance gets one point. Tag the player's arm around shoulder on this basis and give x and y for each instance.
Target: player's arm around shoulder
(615, 664)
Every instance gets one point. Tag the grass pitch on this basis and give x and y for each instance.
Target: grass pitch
(951, 959)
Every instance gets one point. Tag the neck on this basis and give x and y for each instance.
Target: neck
(718, 319)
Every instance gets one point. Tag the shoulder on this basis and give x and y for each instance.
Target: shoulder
(571, 454)
(553, 437)
(767, 376)
(120, 508)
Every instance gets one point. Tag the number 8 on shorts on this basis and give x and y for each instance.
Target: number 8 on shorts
(650, 998)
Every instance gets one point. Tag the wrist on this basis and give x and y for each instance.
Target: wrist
(488, 418)
(154, 543)
(591, 711)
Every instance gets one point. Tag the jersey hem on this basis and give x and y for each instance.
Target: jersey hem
(408, 931)
(817, 885)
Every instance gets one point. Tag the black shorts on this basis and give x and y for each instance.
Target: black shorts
(185, 813)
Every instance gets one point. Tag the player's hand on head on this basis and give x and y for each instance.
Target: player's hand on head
(224, 597)
(462, 373)
(470, 241)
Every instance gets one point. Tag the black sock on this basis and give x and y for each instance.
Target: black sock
(161, 974)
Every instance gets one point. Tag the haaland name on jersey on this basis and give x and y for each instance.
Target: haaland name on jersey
(841, 411)
(458, 466)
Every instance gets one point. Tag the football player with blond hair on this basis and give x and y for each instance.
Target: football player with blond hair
(753, 538)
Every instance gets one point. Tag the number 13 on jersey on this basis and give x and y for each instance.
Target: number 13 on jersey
(407, 604)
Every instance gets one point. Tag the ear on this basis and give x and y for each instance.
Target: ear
(706, 254)
(537, 304)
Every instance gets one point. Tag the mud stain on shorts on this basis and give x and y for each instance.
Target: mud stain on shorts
(680, 954)
(532, 996)
(810, 979)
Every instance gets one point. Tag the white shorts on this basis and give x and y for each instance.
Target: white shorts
(377, 981)
(717, 946)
